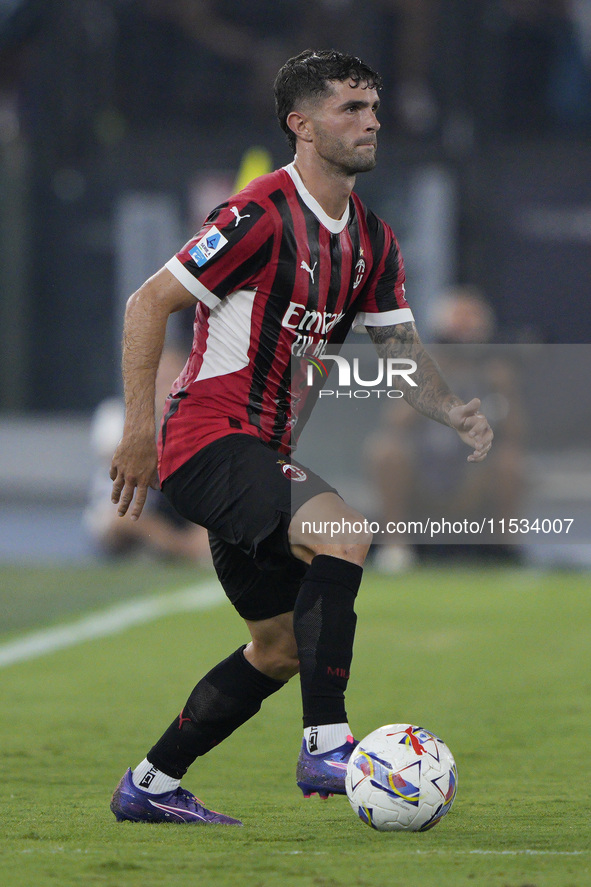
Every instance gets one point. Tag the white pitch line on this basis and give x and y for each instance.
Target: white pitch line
(529, 852)
(524, 852)
(111, 621)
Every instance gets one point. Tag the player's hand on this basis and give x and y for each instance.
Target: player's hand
(473, 428)
(133, 470)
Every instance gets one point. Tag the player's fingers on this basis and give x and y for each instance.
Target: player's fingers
(118, 484)
(140, 500)
(479, 427)
(126, 497)
(467, 415)
(478, 457)
(481, 449)
(472, 407)
(480, 452)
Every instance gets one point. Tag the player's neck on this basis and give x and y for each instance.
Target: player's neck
(329, 186)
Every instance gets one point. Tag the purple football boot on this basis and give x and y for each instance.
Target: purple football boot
(324, 774)
(130, 802)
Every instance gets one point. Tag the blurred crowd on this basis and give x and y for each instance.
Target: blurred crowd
(418, 470)
(118, 64)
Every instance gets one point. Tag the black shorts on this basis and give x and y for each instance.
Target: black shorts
(245, 494)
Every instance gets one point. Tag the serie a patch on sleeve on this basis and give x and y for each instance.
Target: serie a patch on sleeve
(210, 244)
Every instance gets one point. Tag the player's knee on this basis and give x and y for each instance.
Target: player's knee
(353, 552)
(349, 541)
(285, 667)
(327, 525)
(281, 665)
(277, 660)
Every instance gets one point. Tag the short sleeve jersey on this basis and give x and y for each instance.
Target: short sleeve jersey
(275, 278)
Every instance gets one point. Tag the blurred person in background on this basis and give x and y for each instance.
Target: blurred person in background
(162, 532)
(400, 34)
(547, 63)
(414, 37)
(416, 470)
(238, 48)
(248, 41)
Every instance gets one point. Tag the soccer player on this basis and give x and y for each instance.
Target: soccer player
(281, 269)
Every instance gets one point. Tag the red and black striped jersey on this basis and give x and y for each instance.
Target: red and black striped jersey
(275, 278)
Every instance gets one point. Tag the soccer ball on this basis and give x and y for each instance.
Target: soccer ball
(401, 778)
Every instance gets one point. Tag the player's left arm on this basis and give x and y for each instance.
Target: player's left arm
(431, 395)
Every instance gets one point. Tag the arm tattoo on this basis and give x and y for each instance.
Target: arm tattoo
(431, 397)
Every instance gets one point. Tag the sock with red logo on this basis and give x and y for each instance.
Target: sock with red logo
(225, 698)
(324, 626)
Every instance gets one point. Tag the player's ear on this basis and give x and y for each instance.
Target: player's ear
(299, 125)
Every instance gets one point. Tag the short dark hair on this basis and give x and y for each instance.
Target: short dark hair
(307, 76)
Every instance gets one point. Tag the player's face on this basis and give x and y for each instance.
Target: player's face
(344, 127)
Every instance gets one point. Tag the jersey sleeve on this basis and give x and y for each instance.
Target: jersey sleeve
(227, 253)
(383, 301)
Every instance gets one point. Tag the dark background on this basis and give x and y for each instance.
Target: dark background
(103, 101)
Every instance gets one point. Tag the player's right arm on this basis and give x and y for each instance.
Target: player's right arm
(134, 465)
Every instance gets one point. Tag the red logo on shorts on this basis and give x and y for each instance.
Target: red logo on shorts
(292, 472)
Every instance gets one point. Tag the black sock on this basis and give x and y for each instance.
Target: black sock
(324, 627)
(225, 698)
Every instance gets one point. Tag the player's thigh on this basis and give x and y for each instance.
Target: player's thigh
(257, 594)
(244, 492)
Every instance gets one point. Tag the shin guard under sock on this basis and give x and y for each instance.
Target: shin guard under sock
(324, 627)
(225, 698)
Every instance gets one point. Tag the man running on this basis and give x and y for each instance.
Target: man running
(281, 269)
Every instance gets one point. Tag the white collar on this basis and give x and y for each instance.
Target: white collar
(335, 226)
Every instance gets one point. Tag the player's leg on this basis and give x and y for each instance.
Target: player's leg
(333, 539)
(228, 695)
(250, 520)
(273, 649)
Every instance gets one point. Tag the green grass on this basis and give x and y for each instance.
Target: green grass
(32, 597)
(495, 661)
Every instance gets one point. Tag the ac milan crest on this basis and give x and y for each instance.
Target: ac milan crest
(359, 272)
(292, 472)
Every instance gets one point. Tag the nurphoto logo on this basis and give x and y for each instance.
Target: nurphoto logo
(388, 371)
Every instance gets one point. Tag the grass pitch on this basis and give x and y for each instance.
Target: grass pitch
(496, 661)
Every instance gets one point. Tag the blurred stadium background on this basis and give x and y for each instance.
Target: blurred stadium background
(123, 121)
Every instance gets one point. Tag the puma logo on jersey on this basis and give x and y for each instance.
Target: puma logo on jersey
(234, 209)
(307, 268)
